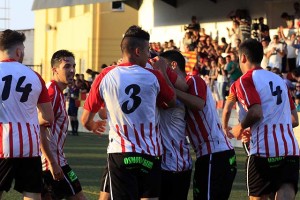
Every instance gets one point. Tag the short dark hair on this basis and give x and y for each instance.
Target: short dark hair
(253, 50)
(58, 55)
(9, 38)
(134, 37)
(173, 55)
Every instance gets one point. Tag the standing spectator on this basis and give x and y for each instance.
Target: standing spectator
(291, 51)
(265, 61)
(73, 95)
(132, 114)
(296, 14)
(215, 167)
(222, 80)
(194, 25)
(234, 33)
(275, 53)
(296, 45)
(213, 75)
(245, 29)
(85, 84)
(223, 45)
(263, 29)
(273, 162)
(62, 183)
(232, 68)
(22, 92)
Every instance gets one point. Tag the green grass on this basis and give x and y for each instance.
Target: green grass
(86, 154)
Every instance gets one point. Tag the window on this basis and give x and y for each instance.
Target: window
(117, 6)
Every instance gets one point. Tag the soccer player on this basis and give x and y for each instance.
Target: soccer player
(273, 164)
(21, 92)
(215, 167)
(131, 94)
(176, 159)
(60, 181)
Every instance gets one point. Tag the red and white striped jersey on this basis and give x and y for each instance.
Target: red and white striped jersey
(59, 128)
(21, 90)
(131, 94)
(273, 135)
(204, 126)
(240, 110)
(176, 150)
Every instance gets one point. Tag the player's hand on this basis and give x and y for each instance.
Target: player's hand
(237, 131)
(159, 63)
(56, 171)
(227, 132)
(99, 127)
(246, 136)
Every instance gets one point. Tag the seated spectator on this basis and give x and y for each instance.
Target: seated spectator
(186, 42)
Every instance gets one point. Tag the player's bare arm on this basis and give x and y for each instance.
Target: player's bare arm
(45, 115)
(254, 114)
(87, 120)
(226, 115)
(191, 101)
(56, 171)
(295, 120)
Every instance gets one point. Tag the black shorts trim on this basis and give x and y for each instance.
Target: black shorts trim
(21, 170)
(214, 175)
(104, 182)
(266, 175)
(67, 187)
(134, 175)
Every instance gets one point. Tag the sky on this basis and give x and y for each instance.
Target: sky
(20, 14)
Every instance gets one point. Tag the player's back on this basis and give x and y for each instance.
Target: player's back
(274, 97)
(20, 91)
(273, 134)
(130, 94)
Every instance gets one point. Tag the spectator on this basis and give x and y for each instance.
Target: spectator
(234, 33)
(194, 25)
(265, 60)
(291, 51)
(245, 29)
(232, 68)
(263, 29)
(73, 96)
(222, 81)
(186, 42)
(275, 53)
(86, 85)
(289, 20)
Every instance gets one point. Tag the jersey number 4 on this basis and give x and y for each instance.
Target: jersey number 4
(136, 99)
(277, 93)
(7, 87)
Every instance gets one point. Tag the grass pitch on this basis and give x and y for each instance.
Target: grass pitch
(86, 155)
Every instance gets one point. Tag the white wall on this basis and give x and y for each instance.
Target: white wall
(28, 58)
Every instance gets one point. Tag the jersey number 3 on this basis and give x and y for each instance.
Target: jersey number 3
(7, 87)
(136, 99)
(277, 93)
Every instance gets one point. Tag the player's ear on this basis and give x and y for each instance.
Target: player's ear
(243, 58)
